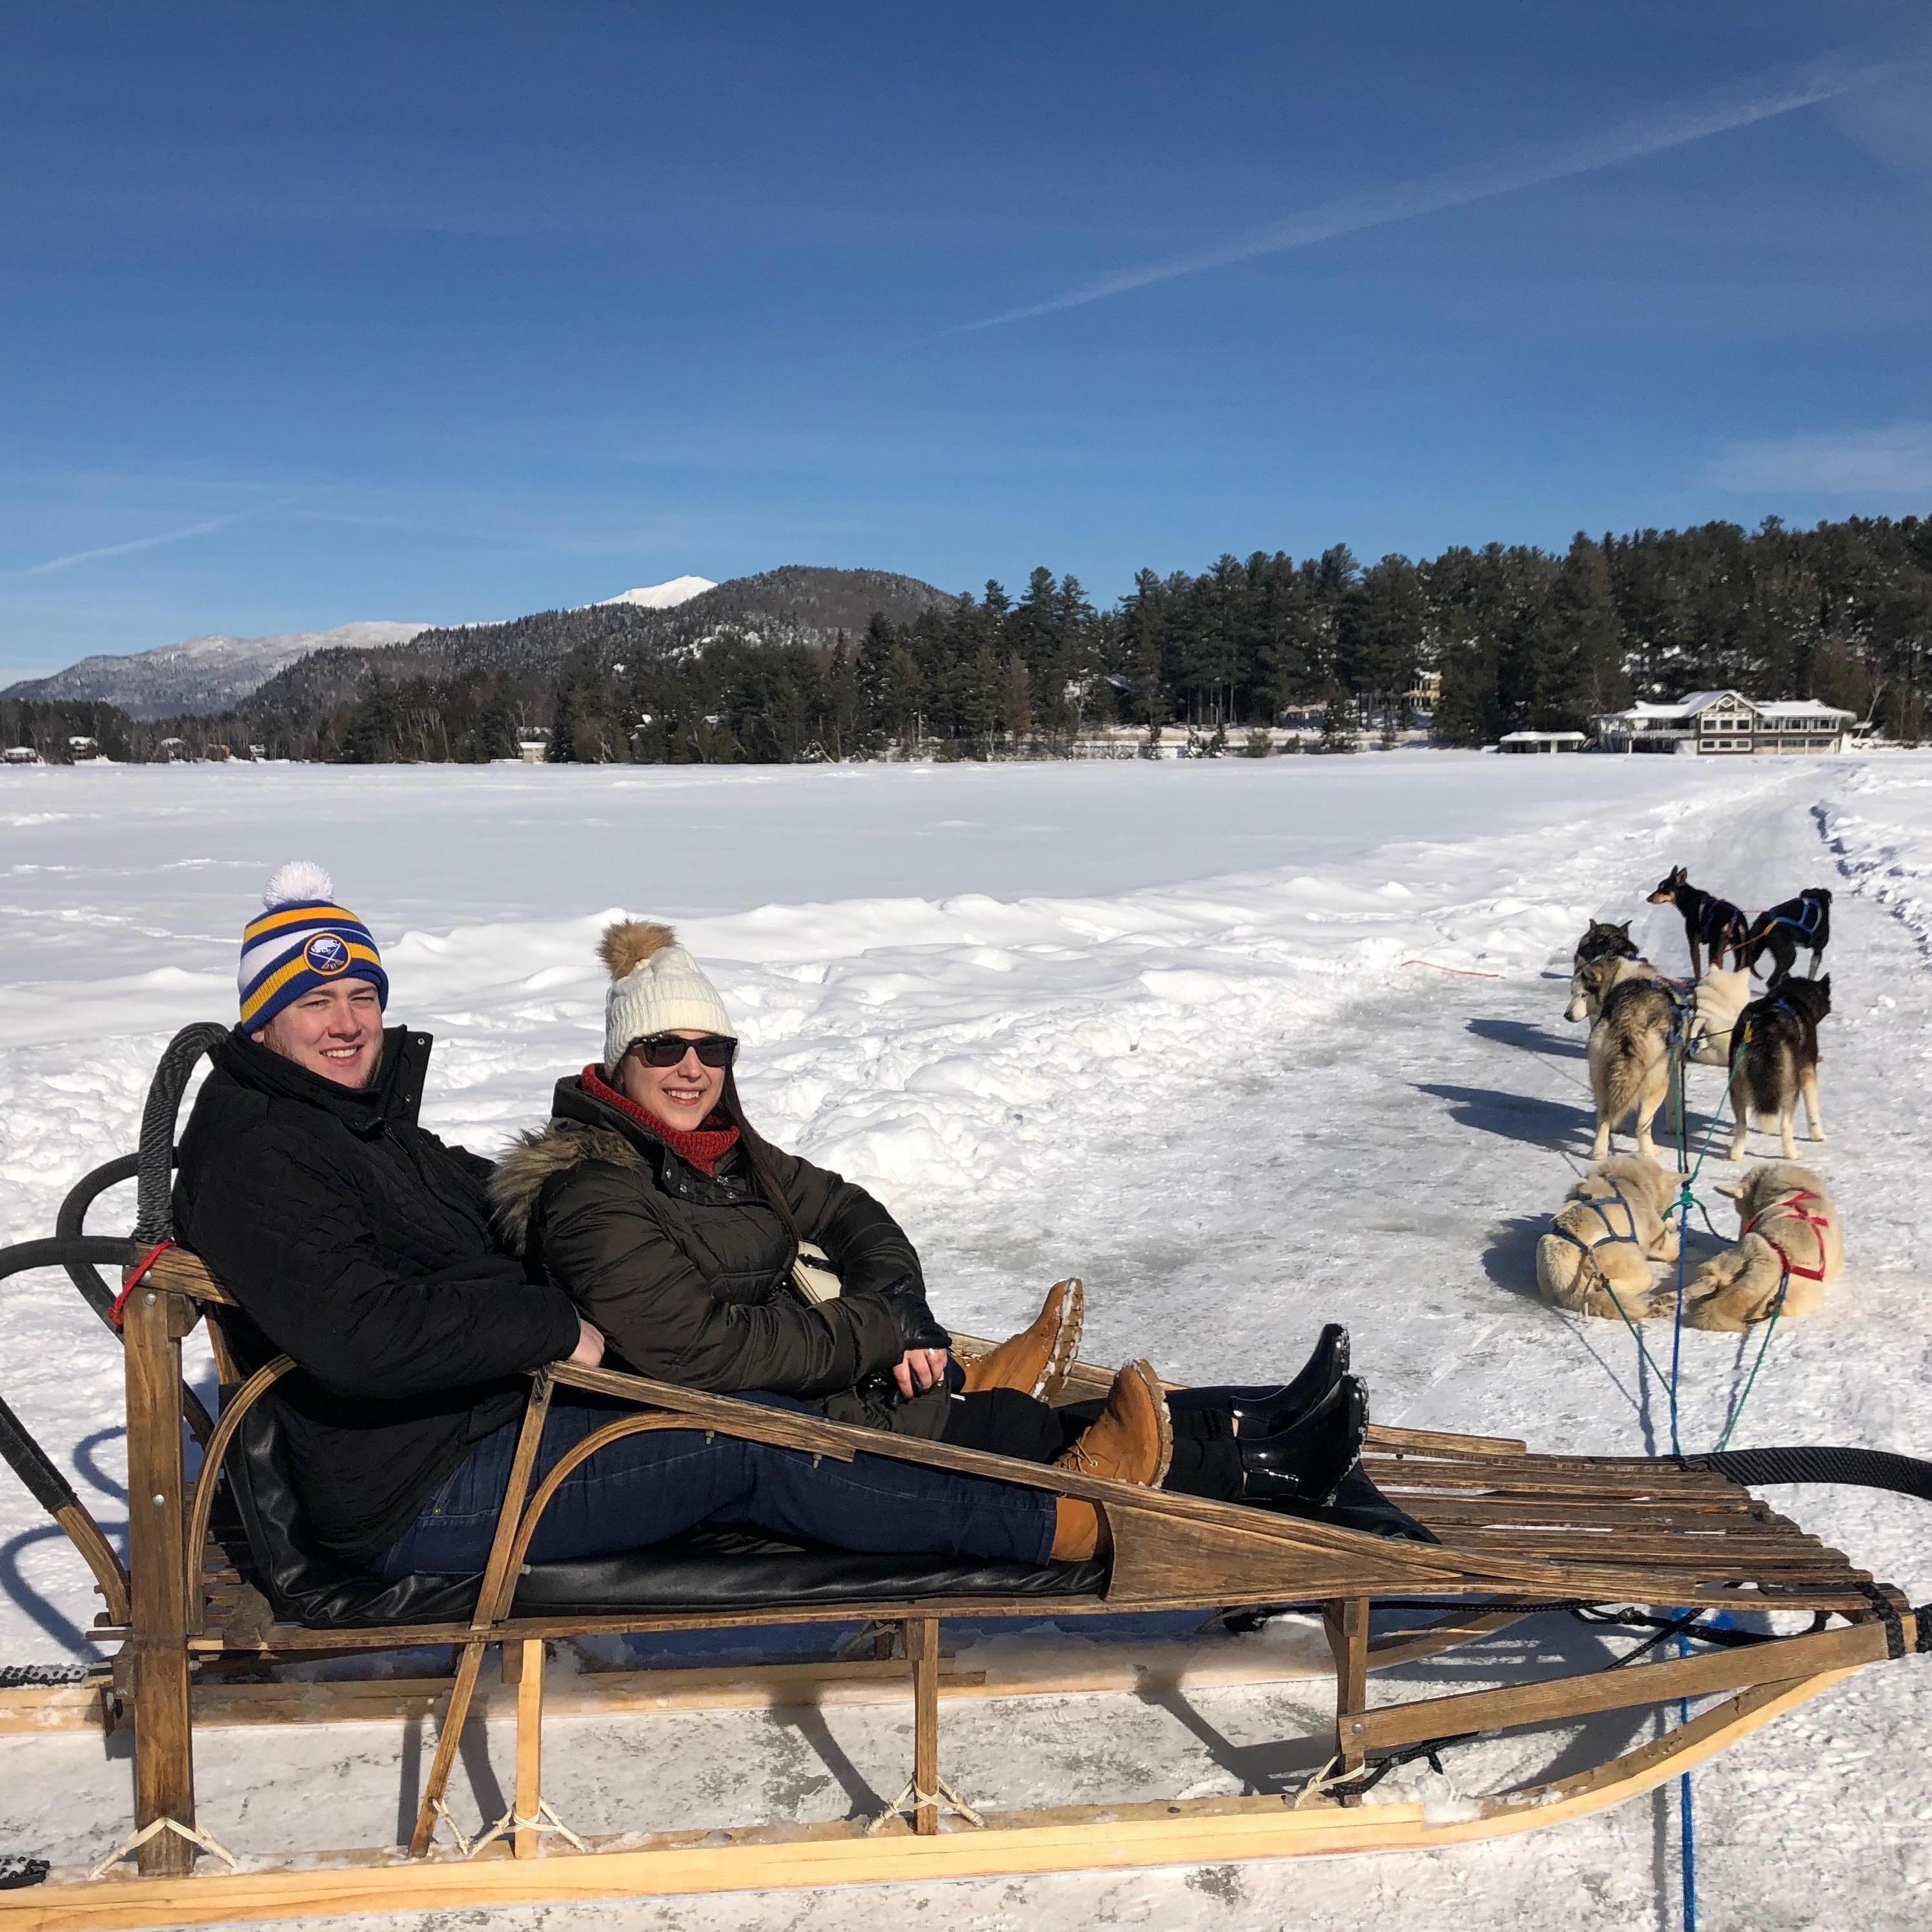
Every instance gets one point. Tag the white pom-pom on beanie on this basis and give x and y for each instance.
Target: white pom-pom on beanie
(300, 882)
(656, 986)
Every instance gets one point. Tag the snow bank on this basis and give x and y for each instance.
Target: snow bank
(1153, 1024)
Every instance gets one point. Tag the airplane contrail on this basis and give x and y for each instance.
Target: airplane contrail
(203, 529)
(1763, 99)
(121, 549)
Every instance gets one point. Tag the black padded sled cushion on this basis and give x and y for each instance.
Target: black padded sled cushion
(706, 1569)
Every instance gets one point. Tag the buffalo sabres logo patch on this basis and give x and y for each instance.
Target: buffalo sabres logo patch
(327, 953)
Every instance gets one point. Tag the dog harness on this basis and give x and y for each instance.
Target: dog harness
(1721, 925)
(1810, 917)
(1609, 1236)
(1791, 1208)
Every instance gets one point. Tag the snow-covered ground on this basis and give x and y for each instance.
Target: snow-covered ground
(1160, 1024)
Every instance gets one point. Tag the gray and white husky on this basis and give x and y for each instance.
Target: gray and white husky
(1634, 1014)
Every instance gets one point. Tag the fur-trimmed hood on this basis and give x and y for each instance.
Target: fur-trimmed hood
(537, 1157)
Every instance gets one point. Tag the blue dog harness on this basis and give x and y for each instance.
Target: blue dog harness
(1610, 1237)
(1806, 922)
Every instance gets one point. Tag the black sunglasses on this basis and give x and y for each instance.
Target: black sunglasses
(667, 1049)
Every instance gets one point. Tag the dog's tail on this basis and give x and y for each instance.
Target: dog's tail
(1564, 1272)
(1634, 1058)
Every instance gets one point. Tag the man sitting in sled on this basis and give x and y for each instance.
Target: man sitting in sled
(359, 1244)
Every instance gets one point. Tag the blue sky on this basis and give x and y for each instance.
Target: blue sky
(318, 313)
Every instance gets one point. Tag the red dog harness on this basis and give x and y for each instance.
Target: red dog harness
(1791, 1206)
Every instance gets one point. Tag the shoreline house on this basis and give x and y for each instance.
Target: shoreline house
(1540, 741)
(1726, 723)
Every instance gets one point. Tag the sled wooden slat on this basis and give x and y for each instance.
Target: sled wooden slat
(1472, 1712)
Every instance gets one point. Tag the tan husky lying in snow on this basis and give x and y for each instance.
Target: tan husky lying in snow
(1789, 1234)
(1596, 1258)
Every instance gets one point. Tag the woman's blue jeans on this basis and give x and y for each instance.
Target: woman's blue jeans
(644, 1489)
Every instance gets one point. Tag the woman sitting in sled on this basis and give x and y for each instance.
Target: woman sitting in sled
(708, 1257)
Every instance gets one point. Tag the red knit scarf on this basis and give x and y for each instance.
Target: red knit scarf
(703, 1147)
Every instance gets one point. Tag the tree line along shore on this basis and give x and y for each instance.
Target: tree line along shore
(1472, 643)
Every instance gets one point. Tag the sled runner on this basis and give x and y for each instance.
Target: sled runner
(223, 1584)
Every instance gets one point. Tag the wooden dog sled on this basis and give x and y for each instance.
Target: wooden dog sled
(219, 1588)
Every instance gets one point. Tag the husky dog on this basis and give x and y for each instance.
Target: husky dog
(1614, 1223)
(1708, 921)
(1721, 996)
(1635, 1016)
(1590, 985)
(1603, 941)
(1776, 1061)
(1789, 1239)
(1782, 928)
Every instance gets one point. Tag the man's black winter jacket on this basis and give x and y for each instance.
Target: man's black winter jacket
(357, 1242)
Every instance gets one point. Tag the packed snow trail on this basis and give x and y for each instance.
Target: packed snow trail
(1227, 1103)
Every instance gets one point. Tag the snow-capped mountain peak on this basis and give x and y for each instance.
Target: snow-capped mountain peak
(665, 596)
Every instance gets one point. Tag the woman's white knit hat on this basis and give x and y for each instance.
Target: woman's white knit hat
(656, 987)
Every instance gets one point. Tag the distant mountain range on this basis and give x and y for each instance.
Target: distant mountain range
(202, 677)
(799, 603)
(306, 671)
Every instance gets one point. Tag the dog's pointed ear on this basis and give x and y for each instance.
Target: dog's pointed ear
(1732, 1190)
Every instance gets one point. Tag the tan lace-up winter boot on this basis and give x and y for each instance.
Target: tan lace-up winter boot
(1131, 1441)
(1036, 1360)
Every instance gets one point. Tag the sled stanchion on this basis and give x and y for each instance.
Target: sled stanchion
(922, 1647)
(157, 1476)
(1346, 1622)
(529, 1743)
(498, 1587)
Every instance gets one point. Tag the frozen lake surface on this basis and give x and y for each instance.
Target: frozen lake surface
(1157, 1024)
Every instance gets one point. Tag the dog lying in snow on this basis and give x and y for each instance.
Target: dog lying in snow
(1777, 1063)
(1789, 1236)
(1614, 1223)
(1633, 1014)
(1720, 997)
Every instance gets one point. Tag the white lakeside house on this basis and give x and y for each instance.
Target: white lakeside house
(1718, 722)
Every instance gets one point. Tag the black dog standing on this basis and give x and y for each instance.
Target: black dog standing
(1713, 923)
(1782, 929)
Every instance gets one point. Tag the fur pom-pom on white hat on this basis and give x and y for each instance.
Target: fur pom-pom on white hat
(656, 986)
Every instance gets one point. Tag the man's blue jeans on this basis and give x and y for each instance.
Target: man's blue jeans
(646, 1488)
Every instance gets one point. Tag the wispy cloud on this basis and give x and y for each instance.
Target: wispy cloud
(154, 542)
(1895, 460)
(206, 527)
(1741, 105)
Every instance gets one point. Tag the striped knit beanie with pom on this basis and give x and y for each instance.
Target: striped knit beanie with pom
(302, 940)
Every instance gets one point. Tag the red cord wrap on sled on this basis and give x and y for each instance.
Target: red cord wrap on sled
(1817, 1223)
(136, 1275)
